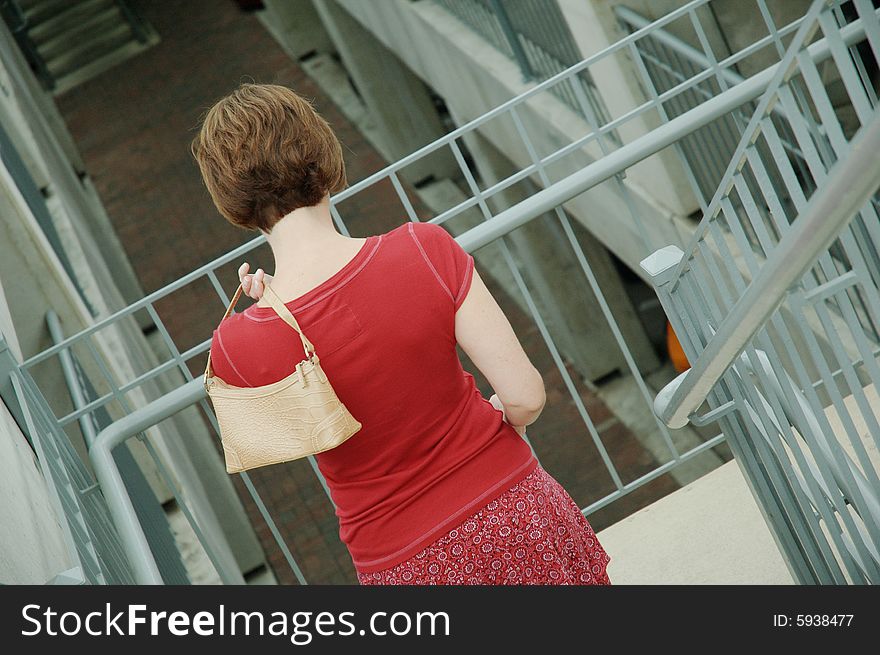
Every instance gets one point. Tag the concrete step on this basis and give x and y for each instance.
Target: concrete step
(90, 49)
(70, 39)
(709, 532)
(74, 14)
(41, 11)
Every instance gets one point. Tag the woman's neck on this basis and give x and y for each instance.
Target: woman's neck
(302, 238)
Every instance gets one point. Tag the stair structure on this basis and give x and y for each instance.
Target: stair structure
(70, 41)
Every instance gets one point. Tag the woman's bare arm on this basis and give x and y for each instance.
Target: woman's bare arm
(486, 336)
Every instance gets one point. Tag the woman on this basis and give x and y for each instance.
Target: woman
(438, 486)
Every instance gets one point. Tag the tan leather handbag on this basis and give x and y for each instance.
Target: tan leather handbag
(286, 420)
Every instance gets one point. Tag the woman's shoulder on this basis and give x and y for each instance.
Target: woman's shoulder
(429, 236)
(231, 326)
(230, 336)
(424, 228)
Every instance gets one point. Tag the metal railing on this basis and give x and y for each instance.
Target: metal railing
(799, 406)
(89, 530)
(150, 513)
(609, 161)
(849, 185)
(666, 60)
(14, 17)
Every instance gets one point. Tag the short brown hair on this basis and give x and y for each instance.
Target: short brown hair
(264, 151)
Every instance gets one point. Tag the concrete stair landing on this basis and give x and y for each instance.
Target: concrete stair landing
(709, 532)
(712, 532)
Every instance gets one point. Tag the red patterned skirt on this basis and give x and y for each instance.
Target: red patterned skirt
(532, 534)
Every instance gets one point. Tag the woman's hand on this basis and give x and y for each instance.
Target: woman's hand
(253, 285)
(497, 404)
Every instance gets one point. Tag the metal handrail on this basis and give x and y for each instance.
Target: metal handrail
(850, 184)
(101, 454)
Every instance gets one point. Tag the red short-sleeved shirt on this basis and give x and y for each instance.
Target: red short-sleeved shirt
(432, 449)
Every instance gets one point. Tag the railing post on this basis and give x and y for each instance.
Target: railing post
(660, 267)
(73, 576)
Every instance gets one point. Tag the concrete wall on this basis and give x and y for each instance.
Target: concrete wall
(594, 28)
(47, 148)
(32, 548)
(397, 100)
(295, 24)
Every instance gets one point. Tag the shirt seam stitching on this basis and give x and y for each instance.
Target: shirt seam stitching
(466, 277)
(428, 261)
(333, 289)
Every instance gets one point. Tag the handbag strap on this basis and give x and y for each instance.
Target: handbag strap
(280, 308)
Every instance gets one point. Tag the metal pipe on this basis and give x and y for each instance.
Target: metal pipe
(118, 501)
(65, 357)
(849, 185)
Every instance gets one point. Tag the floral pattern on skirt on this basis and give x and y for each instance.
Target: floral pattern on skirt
(532, 534)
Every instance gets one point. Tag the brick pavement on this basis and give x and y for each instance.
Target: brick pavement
(133, 125)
